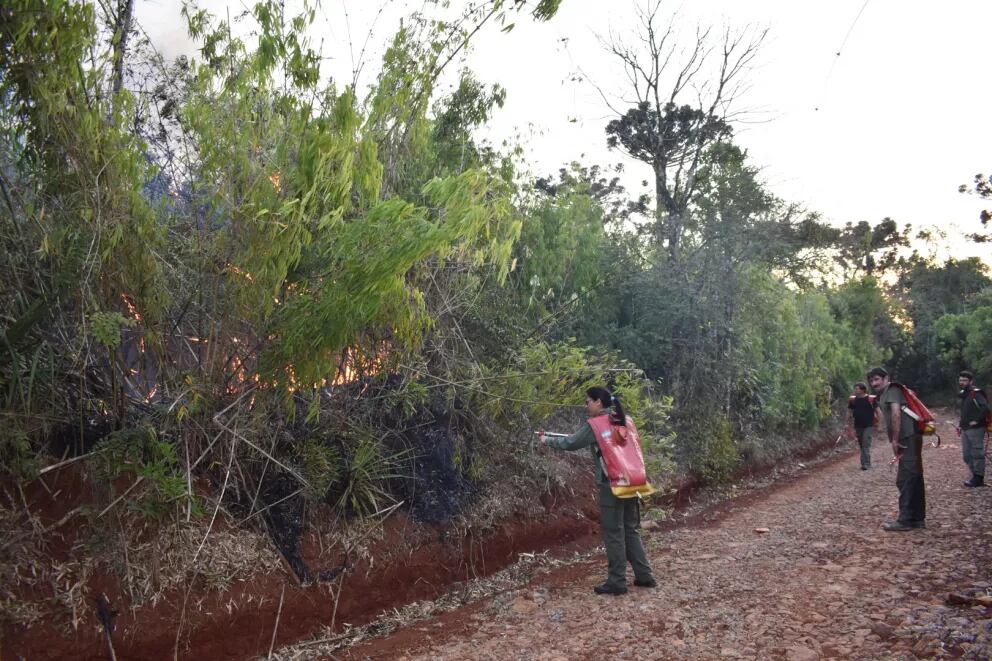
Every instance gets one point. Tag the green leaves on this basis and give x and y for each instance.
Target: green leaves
(106, 327)
(563, 250)
(357, 292)
(140, 453)
(316, 259)
(365, 489)
(965, 341)
(88, 168)
(321, 465)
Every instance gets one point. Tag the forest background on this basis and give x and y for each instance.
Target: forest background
(234, 289)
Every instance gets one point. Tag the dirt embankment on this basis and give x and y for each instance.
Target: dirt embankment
(410, 562)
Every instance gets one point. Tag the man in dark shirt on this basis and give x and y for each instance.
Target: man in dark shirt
(907, 446)
(862, 414)
(974, 406)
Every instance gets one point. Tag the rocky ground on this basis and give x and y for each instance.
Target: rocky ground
(799, 572)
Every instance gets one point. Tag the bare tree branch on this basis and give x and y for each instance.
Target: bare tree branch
(665, 129)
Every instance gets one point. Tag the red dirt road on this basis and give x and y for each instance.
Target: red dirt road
(824, 582)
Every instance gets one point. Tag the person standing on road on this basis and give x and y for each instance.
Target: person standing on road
(862, 414)
(907, 446)
(619, 517)
(974, 406)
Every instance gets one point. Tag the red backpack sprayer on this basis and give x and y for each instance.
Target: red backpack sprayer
(619, 448)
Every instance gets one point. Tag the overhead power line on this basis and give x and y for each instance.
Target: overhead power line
(840, 50)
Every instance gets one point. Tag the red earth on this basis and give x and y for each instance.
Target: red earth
(412, 562)
(417, 562)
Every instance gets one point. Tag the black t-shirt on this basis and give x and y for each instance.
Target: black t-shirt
(863, 410)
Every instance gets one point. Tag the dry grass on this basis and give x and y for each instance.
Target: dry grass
(32, 584)
(165, 563)
(149, 562)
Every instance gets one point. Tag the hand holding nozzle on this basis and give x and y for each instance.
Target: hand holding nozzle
(543, 436)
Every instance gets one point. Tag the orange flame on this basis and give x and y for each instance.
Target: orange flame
(244, 274)
(129, 302)
(352, 365)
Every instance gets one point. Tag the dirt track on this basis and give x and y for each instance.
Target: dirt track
(824, 582)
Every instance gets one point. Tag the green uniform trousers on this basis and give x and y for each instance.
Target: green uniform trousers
(864, 440)
(909, 481)
(973, 449)
(621, 518)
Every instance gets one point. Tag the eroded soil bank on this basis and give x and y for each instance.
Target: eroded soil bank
(411, 562)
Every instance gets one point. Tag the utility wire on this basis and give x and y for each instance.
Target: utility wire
(840, 50)
(851, 29)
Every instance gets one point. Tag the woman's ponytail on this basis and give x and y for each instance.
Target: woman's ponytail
(603, 396)
(618, 417)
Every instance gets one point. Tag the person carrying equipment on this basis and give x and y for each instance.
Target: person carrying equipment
(906, 438)
(620, 472)
(862, 415)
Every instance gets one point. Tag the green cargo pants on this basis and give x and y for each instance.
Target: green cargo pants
(973, 449)
(621, 518)
(909, 481)
(863, 435)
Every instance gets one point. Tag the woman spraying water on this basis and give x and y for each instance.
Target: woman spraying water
(621, 480)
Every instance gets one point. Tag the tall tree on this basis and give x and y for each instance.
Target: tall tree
(928, 292)
(982, 187)
(122, 31)
(684, 98)
(869, 250)
(965, 340)
(736, 226)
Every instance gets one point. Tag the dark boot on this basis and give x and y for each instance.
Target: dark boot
(976, 481)
(898, 526)
(606, 588)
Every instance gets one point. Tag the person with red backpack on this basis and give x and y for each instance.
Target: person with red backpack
(862, 414)
(906, 438)
(974, 422)
(619, 517)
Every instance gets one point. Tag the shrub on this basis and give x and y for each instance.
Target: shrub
(321, 465)
(140, 452)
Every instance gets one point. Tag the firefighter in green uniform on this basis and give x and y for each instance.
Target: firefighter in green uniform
(619, 517)
(907, 446)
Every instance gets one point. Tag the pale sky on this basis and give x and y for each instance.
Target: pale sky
(902, 112)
